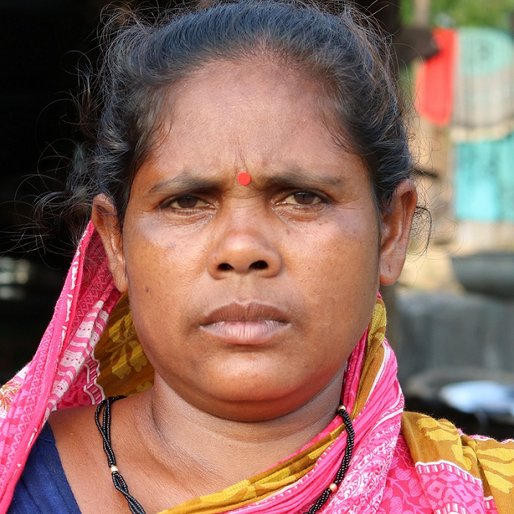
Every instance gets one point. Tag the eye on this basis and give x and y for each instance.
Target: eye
(303, 198)
(184, 202)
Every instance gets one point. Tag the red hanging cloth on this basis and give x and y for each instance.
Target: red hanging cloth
(435, 79)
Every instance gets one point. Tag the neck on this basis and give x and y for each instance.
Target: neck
(230, 450)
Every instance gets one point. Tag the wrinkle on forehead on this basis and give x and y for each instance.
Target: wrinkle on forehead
(252, 83)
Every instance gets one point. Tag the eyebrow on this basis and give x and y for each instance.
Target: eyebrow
(189, 180)
(296, 176)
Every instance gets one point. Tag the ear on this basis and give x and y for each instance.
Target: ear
(106, 222)
(396, 225)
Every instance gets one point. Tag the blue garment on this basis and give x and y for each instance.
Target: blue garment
(43, 487)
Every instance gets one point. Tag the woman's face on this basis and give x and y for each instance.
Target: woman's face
(249, 299)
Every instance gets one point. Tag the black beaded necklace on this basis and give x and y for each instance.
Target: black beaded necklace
(103, 411)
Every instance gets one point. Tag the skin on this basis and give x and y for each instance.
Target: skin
(304, 237)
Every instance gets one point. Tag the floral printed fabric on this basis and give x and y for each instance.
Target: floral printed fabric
(460, 473)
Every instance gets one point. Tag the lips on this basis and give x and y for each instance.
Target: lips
(245, 323)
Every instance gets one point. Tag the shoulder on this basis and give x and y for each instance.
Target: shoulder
(439, 448)
(428, 437)
(43, 486)
(80, 447)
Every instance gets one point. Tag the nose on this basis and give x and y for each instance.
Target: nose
(241, 250)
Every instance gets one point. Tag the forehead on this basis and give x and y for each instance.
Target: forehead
(249, 107)
(251, 78)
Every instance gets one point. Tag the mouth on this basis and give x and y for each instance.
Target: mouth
(245, 323)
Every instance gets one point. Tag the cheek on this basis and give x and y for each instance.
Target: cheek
(161, 276)
(158, 256)
(343, 276)
(347, 252)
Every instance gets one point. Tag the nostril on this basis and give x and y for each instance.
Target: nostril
(258, 265)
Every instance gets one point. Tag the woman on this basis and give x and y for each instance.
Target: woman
(250, 192)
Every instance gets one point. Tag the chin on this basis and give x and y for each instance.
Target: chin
(260, 398)
(251, 411)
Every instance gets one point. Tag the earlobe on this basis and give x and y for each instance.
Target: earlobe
(396, 226)
(106, 222)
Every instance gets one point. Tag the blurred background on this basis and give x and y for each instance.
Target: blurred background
(452, 312)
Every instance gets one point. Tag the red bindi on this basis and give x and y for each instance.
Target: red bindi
(244, 178)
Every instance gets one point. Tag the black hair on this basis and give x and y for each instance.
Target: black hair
(145, 57)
